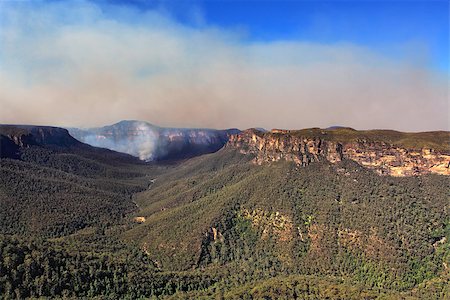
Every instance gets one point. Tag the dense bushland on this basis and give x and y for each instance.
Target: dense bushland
(218, 226)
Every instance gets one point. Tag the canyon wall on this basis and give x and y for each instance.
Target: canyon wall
(150, 142)
(15, 137)
(383, 157)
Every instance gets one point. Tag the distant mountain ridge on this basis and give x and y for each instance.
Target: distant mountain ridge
(14, 137)
(17, 140)
(150, 142)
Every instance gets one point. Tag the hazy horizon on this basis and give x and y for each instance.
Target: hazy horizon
(214, 128)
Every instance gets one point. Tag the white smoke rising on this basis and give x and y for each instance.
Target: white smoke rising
(141, 142)
(149, 142)
(146, 143)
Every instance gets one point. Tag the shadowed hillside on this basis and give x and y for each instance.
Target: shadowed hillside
(51, 184)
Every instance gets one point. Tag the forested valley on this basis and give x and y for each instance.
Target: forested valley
(81, 223)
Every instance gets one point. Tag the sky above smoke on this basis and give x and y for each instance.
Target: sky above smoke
(84, 64)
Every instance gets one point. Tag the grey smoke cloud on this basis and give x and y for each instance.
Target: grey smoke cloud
(72, 64)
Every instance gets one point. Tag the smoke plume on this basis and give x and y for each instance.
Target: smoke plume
(143, 143)
(149, 142)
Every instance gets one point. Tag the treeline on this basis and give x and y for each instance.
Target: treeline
(87, 162)
(383, 232)
(342, 220)
(47, 269)
(101, 267)
(53, 193)
(220, 227)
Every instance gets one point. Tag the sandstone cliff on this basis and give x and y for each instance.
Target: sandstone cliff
(386, 152)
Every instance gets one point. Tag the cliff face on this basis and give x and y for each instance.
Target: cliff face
(150, 142)
(383, 157)
(14, 137)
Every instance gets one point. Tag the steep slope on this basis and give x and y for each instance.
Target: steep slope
(51, 184)
(19, 140)
(8, 148)
(13, 138)
(388, 152)
(223, 212)
(150, 142)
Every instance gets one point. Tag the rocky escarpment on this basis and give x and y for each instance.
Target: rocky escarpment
(15, 137)
(38, 143)
(150, 142)
(386, 152)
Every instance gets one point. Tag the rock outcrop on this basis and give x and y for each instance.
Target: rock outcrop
(366, 148)
(15, 137)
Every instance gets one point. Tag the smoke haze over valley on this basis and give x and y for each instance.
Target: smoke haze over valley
(150, 142)
(85, 64)
(217, 149)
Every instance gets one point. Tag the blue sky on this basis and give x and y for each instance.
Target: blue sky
(385, 26)
(219, 64)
